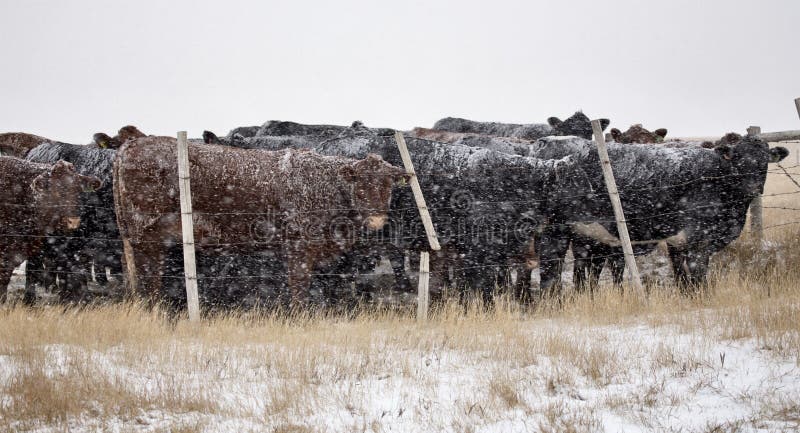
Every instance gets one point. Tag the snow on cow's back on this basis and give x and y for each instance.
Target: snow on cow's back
(646, 164)
(634, 163)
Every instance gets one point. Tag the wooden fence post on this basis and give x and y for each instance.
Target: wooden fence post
(797, 105)
(187, 227)
(423, 292)
(424, 266)
(616, 203)
(756, 206)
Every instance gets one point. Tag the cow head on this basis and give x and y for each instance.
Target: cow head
(129, 132)
(728, 139)
(638, 134)
(748, 159)
(126, 133)
(57, 196)
(578, 124)
(372, 179)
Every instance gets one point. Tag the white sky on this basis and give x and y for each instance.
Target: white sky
(70, 69)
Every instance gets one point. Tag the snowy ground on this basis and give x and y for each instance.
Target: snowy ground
(696, 370)
(556, 376)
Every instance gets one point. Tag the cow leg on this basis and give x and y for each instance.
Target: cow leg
(5, 277)
(617, 264)
(397, 257)
(679, 268)
(580, 275)
(100, 273)
(584, 255)
(480, 275)
(552, 246)
(299, 265)
(7, 265)
(530, 260)
(697, 261)
(145, 262)
(75, 286)
(522, 288)
(35, 275)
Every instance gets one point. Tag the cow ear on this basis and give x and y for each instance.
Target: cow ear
(616, 134)
(400, 176)
(101, 140)
(41, 183)
(604, 124)
(707, 145)
(776, 154)
(90, 183)
(554, 121)
(210, 138)
(661, 132)
(724, 150)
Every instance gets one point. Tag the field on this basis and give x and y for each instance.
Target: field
(726, 361)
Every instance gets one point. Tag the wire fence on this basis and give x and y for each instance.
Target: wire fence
(441, 206)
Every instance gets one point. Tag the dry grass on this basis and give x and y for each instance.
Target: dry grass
(122, 363)
(571, 367)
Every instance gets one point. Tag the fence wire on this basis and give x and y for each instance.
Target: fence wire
(783, 170)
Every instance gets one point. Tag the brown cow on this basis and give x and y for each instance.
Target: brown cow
(306, 205)
(638, 134)
(35, 200)
(129, 132)
(17, 144)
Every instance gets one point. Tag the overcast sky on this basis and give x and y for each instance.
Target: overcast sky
(72, 68)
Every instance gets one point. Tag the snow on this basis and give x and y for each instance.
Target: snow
(655, 378)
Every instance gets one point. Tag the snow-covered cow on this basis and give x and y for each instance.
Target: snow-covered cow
(314, 205)
(35, 200)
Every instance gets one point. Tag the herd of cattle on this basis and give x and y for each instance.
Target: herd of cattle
(297, 207)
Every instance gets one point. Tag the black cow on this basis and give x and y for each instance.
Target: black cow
(70, 256)
(578, 124)
(696, 198)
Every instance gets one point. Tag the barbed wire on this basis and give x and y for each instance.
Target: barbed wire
(783, 170)
(506, 265)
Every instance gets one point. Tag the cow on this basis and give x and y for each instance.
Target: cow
(306, 206)
(17, 144)
(693, 197)
(638, 134)
(71, 255)
(578, 124)
(129, 132)
(35, 200)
